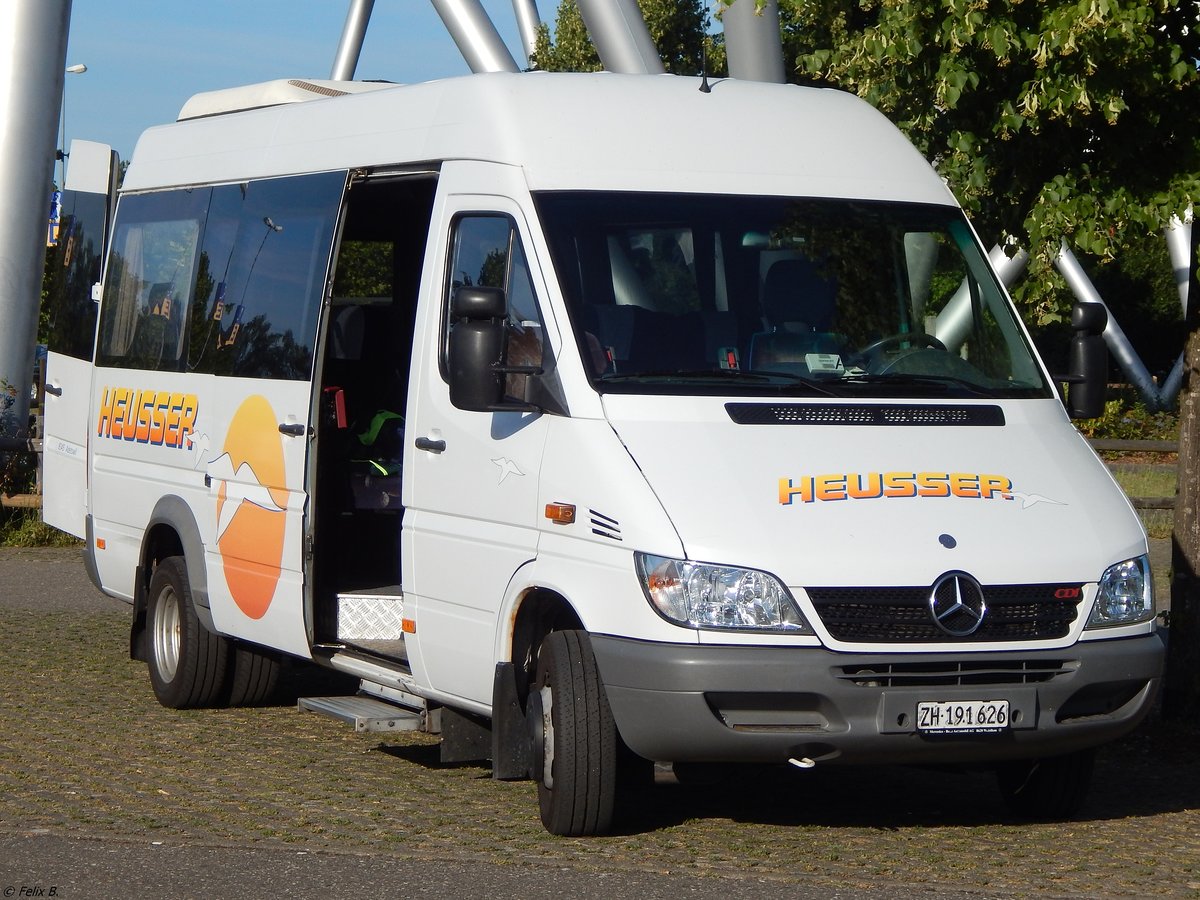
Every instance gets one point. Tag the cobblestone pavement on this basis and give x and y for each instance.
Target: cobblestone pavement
(86, 751)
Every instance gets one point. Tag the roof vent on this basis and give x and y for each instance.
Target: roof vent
(271, 93)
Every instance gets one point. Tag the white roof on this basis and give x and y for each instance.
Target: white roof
(567, 132)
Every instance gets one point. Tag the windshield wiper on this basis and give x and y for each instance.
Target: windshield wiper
(940, 381)
(761, 377)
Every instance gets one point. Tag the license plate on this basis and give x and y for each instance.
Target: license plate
(962, 716)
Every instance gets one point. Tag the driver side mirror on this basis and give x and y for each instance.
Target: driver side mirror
(1087, 381)
(476, 348)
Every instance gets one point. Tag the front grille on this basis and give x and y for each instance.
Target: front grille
(932, 674)
(1018, 612)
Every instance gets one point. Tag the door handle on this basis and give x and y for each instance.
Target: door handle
(424, 443)
(294, 429)
(54, 390)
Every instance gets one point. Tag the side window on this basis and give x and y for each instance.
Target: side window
(487, 252)
(74, 268)
(262, 276)
(148, 288)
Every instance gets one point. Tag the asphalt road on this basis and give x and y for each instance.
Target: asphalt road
(103, 793)
(46, 865)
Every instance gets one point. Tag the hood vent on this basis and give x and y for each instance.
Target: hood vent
(862, 414)
(605, 526)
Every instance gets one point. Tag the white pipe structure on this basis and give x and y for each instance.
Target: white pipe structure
(1169, 392)
(621, 37)
(33, 53)
(1118, 344)
(956, 320)
(528, 22)
(1179, 247)
(476, 36)
(358, 16)
(752, 41)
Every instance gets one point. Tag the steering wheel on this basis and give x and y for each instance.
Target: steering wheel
(918, 338)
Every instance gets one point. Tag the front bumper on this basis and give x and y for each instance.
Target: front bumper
(697, 703)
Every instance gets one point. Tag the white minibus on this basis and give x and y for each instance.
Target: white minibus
(603, 421)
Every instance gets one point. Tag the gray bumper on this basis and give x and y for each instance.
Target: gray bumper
(681, 703)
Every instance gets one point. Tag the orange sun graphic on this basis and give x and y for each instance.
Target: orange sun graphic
(251, 507)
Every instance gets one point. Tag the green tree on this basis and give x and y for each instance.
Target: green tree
(1049, 120)
(677, 28)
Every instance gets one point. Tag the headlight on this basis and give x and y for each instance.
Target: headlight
(700, 595)
(1125, 594)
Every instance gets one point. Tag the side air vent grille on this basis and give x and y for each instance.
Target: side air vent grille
(605, 526)
(862, 414)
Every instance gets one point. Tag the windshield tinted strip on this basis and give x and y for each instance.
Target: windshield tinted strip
(862, 414)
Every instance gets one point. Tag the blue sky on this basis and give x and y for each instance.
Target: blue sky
(144, 58)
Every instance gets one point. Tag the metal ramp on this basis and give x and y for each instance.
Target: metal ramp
(365, 713)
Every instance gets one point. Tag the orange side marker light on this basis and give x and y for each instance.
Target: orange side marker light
(561, 513)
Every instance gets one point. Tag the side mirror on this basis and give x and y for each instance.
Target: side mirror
(1087, 381)
(476, 348)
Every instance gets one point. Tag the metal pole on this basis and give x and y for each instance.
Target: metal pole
(752, 41)
(956, 320)
(621, 37)
(1169, 392)
(528, 22)
(358, 16)
(476, 36)
(1130, 363)
(33, 53)
(1179, 248)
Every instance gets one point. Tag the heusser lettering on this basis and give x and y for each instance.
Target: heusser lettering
(158, 418)
(892, 485)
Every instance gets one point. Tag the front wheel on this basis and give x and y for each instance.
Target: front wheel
(575, 743)
(1046, 789)
(187, 663)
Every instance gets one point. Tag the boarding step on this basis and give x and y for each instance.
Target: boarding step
(365, 713)
(372, 615)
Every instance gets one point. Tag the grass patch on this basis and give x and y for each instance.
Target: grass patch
(1149, 481)
(1159, 523)
(1146, 481)
(25, 528)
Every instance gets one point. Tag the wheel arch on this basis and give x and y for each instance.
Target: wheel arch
(532, 612)
(171, 531)
(537, 612)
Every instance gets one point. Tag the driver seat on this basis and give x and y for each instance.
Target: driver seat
(798, 304)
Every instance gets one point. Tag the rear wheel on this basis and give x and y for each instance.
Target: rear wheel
(187, 663)
(575, 743)
(254, 674)
(1047, 789)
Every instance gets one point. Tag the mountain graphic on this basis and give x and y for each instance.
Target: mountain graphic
(237, 486)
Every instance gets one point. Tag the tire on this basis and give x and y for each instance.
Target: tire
(575, 739)
(187, 663)
(1047, 789)
(253, 674)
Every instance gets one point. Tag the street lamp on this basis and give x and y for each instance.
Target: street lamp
(77, 69)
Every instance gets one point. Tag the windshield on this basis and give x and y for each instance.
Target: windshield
(684, 293)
